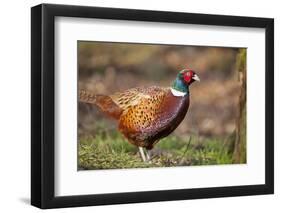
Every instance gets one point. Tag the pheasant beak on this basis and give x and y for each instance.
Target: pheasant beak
(195, 77)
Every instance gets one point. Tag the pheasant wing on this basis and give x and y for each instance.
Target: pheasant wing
(129, 98)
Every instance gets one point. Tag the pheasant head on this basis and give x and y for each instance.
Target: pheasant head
(183, 80)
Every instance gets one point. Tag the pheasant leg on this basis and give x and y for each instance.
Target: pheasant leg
(142, 154)
(148, 158)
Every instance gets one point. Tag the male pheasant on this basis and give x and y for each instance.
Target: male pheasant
(147, 114)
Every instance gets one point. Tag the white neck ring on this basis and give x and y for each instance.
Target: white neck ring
(177, 93)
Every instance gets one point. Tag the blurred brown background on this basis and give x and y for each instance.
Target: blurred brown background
(105, 68)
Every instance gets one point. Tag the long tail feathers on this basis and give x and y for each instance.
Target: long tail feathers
(104, 102)
(87, 97)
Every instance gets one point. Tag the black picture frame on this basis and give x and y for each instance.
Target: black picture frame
(43, 100)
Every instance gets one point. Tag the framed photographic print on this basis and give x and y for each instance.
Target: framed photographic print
(139, 106)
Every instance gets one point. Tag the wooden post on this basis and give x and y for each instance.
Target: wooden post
(239, 154)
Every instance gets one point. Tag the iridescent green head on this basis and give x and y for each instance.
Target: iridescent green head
(185, 78)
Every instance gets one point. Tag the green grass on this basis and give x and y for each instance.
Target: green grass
(110, 150)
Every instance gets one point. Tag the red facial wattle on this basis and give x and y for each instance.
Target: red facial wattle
(187, 77)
